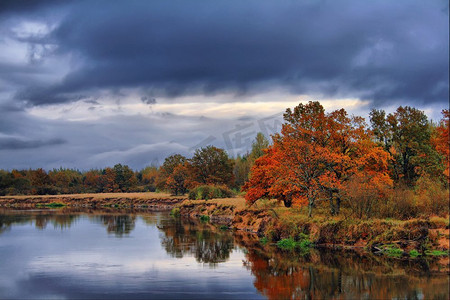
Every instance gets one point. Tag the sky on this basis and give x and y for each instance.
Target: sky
(88, 84)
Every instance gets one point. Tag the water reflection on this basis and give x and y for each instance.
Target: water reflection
(7, 220)
(118, 224)
(164, 258)
(327, 274)
(207, 244)
(83, 261)
(40, 218)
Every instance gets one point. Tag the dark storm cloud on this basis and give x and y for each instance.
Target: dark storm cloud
(135, 140)
(96, 53)
(9, 107)
(12, 6)
(8, 143)
(378, 50)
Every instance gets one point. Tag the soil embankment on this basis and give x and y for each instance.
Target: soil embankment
(276, 224)
(154, 201)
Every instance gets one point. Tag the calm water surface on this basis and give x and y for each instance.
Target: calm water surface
(58, 254)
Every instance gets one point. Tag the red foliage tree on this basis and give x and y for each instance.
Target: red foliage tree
(442, 140)
(314, 156)
(177, 181)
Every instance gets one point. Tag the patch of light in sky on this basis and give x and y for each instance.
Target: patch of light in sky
(221, 106)
(29, 29)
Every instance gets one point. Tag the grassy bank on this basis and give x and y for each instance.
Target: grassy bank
(122, 200)
(273, 222)
(291, 227)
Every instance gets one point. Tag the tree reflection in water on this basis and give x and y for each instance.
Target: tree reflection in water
(339, 274)
(277, 274)
(6, 220)
(204, 242)
(60, 221)
(119, 224)
(40, 218)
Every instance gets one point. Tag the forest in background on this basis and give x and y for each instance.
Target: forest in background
(398, 166)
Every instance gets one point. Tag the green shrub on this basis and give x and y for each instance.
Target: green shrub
(392, 250)
(204, 218)
(303, 244)
(263, 240)
(205, 192)
(396, 252)
(414, 253)
(287, 244)
(436, 253)
(53, 204)
(302, 237)
(175, 212)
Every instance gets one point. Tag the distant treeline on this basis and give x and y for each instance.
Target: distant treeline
(68, 181)
(397, 165)
(209, 166)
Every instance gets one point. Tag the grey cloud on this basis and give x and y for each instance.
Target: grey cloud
(9, 143)
(14, 6)
(393, 51)
(379, 50)
(152, 154)
(95, 102)
(136, 140)
(148, 100)
(9, 107)
(36, 95)
(19, 75)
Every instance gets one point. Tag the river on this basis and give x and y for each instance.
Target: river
(112, 254)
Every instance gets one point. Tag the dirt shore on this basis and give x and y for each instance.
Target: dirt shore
(273, 223)
(158, 201)
(337, 232)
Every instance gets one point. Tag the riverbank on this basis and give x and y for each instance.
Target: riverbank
(155, 201)
(272, 223)
(99, 247)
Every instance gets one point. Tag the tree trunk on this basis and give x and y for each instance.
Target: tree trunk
(338, 204)
(287, 200)
(310, 206)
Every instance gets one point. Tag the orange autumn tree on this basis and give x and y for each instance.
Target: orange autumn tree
(370, 182)
(107, 180)
(313, 157)
(178, 180)
(262, 177)
(442, 140)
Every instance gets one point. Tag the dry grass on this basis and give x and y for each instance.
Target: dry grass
(160, 200)
(238, 202)
(440, 222)
(144, 196)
